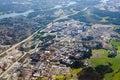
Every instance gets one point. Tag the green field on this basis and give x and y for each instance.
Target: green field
(104, 60)
(115, 44)
(1, 13)
(73, 75)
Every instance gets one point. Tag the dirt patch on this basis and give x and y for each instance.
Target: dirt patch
(96, 55)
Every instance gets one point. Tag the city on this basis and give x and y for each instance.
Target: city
(64, 40)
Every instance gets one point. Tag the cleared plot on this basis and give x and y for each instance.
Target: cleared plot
(99, 53)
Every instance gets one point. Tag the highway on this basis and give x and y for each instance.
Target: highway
(14, 46)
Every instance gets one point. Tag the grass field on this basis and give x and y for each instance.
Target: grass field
(104, 60)
(115, 44)
(72, 75)
(104, 19)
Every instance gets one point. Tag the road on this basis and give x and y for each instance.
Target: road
(14, 46)
(66, 16)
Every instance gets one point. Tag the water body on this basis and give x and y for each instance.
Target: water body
(16, 14)
(57, 7)
(71, 3)
(64, 5)
(104, 1)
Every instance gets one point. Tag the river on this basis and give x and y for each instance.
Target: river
(15, 14)
(30, 11)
